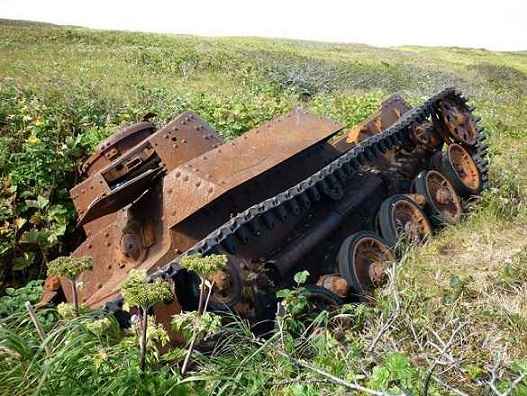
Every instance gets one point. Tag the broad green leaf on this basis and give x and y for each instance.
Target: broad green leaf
(301, 277)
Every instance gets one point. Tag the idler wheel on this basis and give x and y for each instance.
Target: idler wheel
(362, 261)
(459, 123)
(400, 216)
(461, 170)
(441, 197)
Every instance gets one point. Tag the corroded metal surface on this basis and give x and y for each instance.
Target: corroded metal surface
(363, 260)
(461, 169)
(184, 138)
(121, 196)
(410, 221)
(335, 283)
(207, 177)
(116, 145)
(441, 196)
(186, 151)
(51, 290)
(280, 198)
(458, 122)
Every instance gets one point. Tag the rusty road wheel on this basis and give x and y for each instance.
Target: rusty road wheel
(227, 289)
(461, 170)
(400, 216)
(441, 197)
(458, 123)
(362, 261)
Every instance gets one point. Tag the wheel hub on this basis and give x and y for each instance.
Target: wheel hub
(410, 221)
(335, 284)
(226, 286)
(377, 274)
(426, 135)
(221, 280)
(444, 196)
(370, 261)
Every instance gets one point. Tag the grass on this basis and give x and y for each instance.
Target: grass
(455, 311)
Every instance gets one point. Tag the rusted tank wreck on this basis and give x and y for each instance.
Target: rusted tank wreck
(297, 193)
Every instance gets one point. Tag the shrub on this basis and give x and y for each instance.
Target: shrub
(140, 293)
(14, 299)
(71, 268)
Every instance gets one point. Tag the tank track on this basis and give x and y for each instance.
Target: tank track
(344, 167)
(328, 180)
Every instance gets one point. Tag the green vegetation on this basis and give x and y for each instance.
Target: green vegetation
(71, 268)
(202, 322)
(139, 293)
(204, 266)
(454, 315)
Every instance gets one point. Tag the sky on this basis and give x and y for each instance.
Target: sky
(490, 24)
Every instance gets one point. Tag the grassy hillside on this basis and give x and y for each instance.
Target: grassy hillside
(455, 314)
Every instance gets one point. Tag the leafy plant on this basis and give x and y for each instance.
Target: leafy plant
(294, 302)
(56, 107)
(188, 324)
(14, 299)
(205, 267)
(514, 272)
(71, 268)
(67, 311)
(458, 287)
(138, 292)
(395, 374)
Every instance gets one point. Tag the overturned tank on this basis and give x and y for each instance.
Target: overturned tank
(297, 193)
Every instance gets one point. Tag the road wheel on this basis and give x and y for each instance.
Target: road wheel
(362, 261)
(227, 288)
(321, 299)
(461, 170)
(399, 216)
(442, 200)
